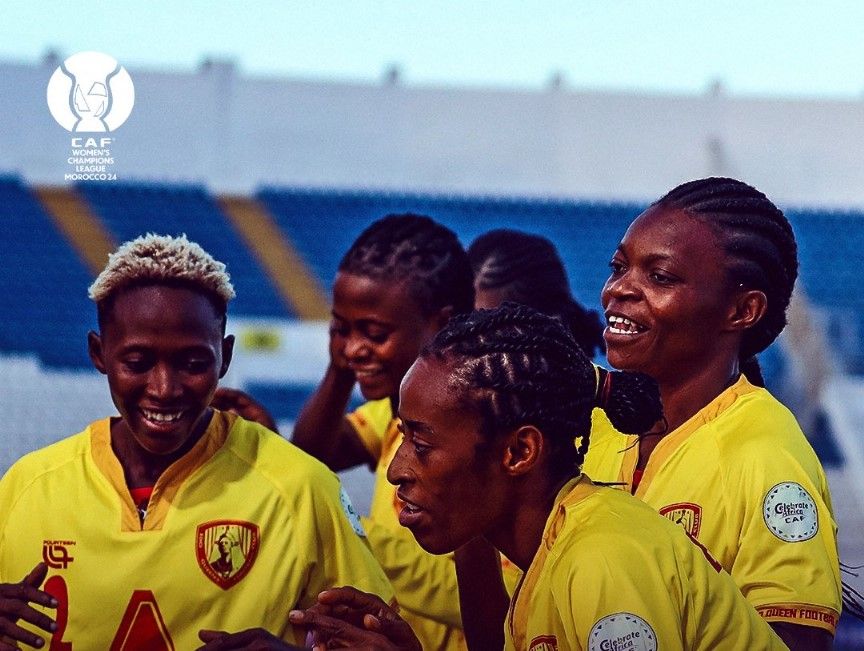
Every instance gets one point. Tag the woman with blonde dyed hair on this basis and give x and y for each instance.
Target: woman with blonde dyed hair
(124, 515)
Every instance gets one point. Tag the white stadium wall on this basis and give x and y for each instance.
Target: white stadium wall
(234, 132)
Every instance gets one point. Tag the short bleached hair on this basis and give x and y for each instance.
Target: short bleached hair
(156, 259)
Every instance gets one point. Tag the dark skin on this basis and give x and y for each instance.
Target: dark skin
(377, 330)
(163, 351)
(669, 279)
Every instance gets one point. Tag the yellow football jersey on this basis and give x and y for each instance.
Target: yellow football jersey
(425, 584)
(741, 478)
(610, 574)
(237, 532)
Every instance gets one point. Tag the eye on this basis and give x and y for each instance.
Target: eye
(420, 449)
(662, 277)
(617, 266)
(196, 366)
(136, 363)
(338, 328)
(377, 334)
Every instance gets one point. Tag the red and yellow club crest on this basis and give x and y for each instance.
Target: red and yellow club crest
(544, 643)
(687, 514)
(226, 550)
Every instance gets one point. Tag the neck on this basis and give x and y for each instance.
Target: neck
(519, 534)
(141, 467)
(684, 397)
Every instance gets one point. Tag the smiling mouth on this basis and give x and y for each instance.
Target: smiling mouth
(620, 325)
(365, 373)
(162, 417)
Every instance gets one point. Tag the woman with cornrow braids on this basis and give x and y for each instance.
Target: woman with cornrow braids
(489, 413)
(700, 284)
(524, 268)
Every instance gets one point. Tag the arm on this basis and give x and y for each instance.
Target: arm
(322, 430)
(803, 638)
(241, 403)
(337, 549)
(482, 596)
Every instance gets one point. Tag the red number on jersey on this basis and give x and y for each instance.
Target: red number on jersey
(142, 627)
(56, 587)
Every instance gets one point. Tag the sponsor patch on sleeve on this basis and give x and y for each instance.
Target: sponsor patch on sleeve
(790, 513)
(350, 513)
(622, 631)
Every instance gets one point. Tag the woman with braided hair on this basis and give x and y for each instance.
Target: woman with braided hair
(700, 284)
(511, 265)
(489, 413)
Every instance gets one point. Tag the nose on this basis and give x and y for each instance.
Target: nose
(620, 286)
(163, 383)
(397, 471)
(356, 347)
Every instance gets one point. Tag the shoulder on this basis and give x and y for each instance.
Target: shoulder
(299, 481)
(610, 531)
(273, 457)
(46, 464)
(756, 425)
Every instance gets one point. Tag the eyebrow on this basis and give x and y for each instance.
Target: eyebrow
(652, 257)
(417, 425)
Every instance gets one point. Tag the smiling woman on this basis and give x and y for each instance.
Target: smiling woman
(699, 285)
(171, 497)
(489, 412)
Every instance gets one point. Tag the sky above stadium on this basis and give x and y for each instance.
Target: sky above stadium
(775, 48)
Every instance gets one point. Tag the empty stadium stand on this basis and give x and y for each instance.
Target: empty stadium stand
(43, 283)
(129, 210)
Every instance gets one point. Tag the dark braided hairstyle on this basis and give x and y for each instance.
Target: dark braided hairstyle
(419, 251)
(516, 366)
(527, 269)
(760, 249)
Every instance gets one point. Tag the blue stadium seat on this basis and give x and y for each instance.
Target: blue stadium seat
(129, 210)
(43, 283)
(323, 224)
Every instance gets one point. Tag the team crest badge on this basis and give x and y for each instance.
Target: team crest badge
(226, 550)
(544, 643)
(687, 514)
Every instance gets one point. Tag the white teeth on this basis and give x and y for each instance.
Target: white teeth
(161, 417)
(620, 325)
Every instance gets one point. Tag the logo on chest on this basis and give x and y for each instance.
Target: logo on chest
(544, 643)
(686, 514)
(226, 550)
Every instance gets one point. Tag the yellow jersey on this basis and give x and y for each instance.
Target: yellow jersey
(742, 479)
(610, 574)
(237, 532)
(425, 584)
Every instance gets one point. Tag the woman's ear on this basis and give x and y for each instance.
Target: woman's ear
(747, 309)
(523, 450)
(227, 354)
(94, 350)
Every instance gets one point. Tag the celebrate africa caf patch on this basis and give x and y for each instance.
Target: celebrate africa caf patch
(226, 550)
(350, 513)
(622, 631)
(790, 513)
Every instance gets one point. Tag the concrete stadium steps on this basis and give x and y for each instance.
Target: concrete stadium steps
(298, 287)
(81, 227)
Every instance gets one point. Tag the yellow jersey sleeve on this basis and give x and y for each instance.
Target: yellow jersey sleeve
(611, 574)
(786, 563)
(371, 421)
